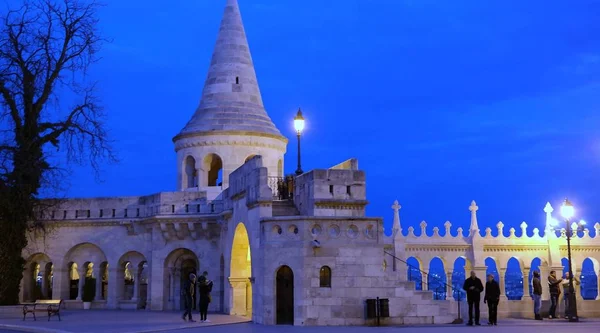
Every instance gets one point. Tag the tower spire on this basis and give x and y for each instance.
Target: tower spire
(231, 99)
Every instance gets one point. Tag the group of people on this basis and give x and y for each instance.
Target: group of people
(474, 288)
(188, 290)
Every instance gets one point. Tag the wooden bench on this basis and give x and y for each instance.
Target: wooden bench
(51, 306)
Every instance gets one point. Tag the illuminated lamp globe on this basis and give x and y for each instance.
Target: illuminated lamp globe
(299, 122)
(567, 210)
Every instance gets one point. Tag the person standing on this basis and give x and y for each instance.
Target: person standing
(492, 298)
(473, 287)
(205, 288)
(567, 290)
(554, 287)
(189, 288)
(537, 295)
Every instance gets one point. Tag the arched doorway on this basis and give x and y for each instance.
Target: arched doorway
(178, 266)
(213, 170)
(240, 273)
(285, 296)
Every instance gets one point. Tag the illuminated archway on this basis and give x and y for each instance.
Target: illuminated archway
(240, 273)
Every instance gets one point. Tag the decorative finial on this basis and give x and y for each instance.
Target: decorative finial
(548, 208)
(474, 225)
(396, 227)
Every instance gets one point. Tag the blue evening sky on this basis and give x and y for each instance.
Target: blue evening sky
(442, 102)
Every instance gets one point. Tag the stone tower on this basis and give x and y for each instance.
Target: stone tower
(231, 124)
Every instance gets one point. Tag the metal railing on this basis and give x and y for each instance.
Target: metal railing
(457, 292)
(282, 188)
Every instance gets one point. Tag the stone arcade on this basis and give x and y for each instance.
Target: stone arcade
(261, 252)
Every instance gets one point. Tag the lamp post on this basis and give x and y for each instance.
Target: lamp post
(568, 211)
(299, 126)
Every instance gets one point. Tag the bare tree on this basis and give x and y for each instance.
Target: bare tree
(48, 105)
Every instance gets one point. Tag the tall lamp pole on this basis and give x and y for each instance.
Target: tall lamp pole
(299, 126)
(568, 211)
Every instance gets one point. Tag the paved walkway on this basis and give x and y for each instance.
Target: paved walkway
(170, 322)
(98, 321)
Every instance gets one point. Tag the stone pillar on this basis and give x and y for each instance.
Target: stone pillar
(526, 283)
(576, 286)
(544, 273)
(98, 277)
(113, 300)
(502, 278)
(449, 290)
(44, 281)
(481, 274)
(81, 270)
(171, 284)
(136, 284)
(598, 285)
(425, 279)
(239, 290)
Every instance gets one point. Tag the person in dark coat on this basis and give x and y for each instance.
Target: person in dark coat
(473, 287)
(205, 288)
(537, 295)
(188, 290)
(567, 291)
(554, 287)
(492, 298)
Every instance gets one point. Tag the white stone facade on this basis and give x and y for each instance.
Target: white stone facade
(313, 260)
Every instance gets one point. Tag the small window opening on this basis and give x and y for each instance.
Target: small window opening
(325, 277)
(114, 212)
(172, 208)
(187, 208)
(348, 190)
(198, 208)
(76, 214)
(237, 80)
(52, 215)
(89, 213)
(125, 212)
(137, 213)
(64, 214)
(331, 189)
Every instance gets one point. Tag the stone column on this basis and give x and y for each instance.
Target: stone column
(502, 278)
(239, 290)
(81, 270)
(425, 279)
(577, 286)
(96, 274)
(113, 300)
(44, 281)
(171, 284)
(598, 285)
(544, 272)
(136, 283)
(526, 283)
(449, 290)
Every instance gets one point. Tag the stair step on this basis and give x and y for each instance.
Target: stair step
(285, 208)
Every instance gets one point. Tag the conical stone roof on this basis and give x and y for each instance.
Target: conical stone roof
(231, 100)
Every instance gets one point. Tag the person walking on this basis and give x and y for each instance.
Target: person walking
(473, 287)
(205, 288)
(554, 288)
(189, 288)
(537, 295)
(492, 298)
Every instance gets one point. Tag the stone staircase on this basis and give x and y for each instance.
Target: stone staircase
(417, 307)
(285, 208)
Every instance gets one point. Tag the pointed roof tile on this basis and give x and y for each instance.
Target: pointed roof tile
(231, 99)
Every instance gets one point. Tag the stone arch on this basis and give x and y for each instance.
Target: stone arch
(491, 265)
(541, 266)
(212, 170)
(177, 267)
(190, 173)
(461, 266)
(565, 263)
(37, 277)
(128, 275)
(514, 279)
(413, 271)
(436, 278)
(84, 264)
(240, 273)
(590, 279)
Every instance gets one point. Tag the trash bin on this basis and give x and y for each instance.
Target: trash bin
(371, 308)
(384, 308)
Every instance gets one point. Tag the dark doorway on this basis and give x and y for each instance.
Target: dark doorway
(285, 296)
(187, 267)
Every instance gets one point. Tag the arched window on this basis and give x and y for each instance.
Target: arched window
(213, 166)
(190, 172)
(325, 277)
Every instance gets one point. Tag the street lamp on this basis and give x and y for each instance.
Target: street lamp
(568, 211)
(299, 126)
